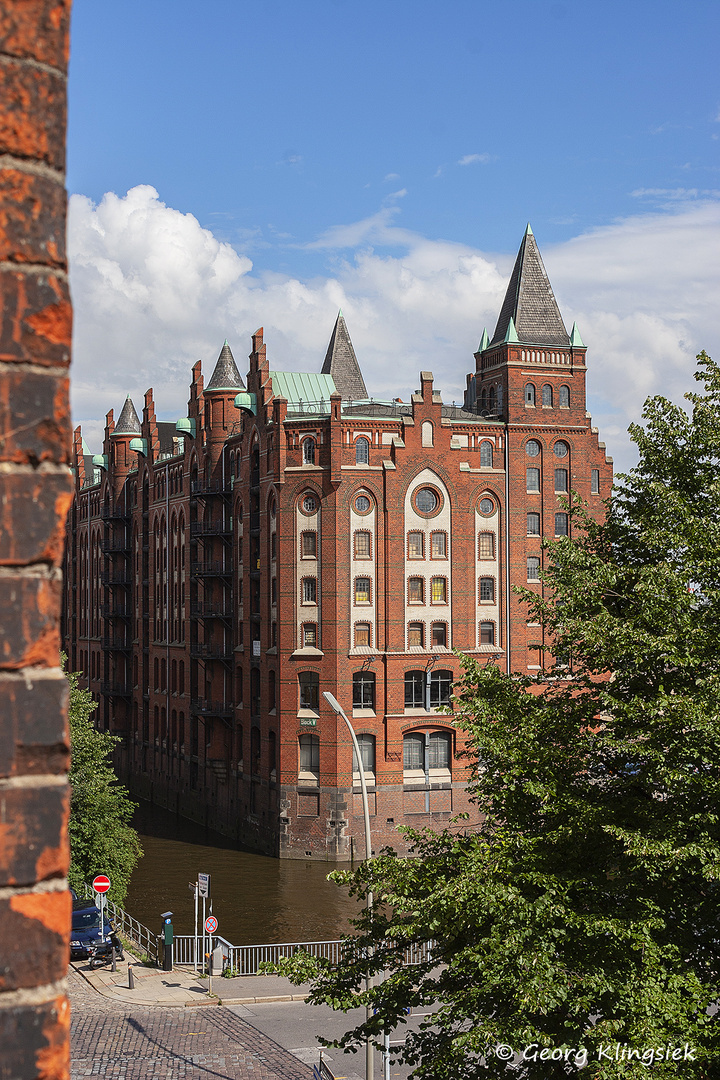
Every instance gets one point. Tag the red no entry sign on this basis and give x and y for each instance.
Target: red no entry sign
(101, 883)
(211, 924)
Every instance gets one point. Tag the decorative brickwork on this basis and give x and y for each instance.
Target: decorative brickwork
(227, 547)
(36, 489)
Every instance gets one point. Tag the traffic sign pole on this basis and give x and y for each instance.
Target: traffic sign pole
(101, 884)
(211, 925)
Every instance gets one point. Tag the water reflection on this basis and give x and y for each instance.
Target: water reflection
(256, 899)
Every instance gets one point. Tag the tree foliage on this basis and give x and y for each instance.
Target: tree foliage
(583, 914)
(101, 838)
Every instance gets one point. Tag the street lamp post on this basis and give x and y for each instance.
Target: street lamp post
(339, 711)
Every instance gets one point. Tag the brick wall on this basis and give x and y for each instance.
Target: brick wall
(35, 483)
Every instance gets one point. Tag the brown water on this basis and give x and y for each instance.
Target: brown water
(256, 899)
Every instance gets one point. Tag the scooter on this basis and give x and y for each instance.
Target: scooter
(103, 951)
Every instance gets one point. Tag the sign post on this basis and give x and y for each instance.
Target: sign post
(101, 884)
(193, 885)
(211, 925)
(204, 891)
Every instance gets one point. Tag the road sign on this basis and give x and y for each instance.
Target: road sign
(101, 883)
(211, 924)
(204, 884)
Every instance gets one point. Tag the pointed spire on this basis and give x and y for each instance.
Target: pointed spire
(511, 333)
(575, 338)
(128, 421)
(484, 340)
(530, 301)
(226, 375)
(341, 363)
(528, 230)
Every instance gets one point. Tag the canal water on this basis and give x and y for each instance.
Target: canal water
(256, 899)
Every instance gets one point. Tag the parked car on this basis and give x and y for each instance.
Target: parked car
(86, 933)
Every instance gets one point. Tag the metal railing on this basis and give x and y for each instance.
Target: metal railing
(246, 959)
(210, 528)
(130, 928)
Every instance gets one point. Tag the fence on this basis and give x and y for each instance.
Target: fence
(124, 924)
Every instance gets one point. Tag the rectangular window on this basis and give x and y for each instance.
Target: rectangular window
(415, 690)
(438, 590)
(362, 635)
(309, 545)
(439, 750)
(413, 752)
(487, 633)
(273, 591)
(363, 695)
(362, 545)
(561, 524)
(532, 479)
(439, 635)
(415, 635)
(487, 590)
(415, 545)
(561, 479)
(533, 524)
(309, 689)
(362, 590)
(438, 545)
(594, 481)
(486, 545)
(415, 590)
(533, 568)
(309, 635)
(273, 545)
(309, 590)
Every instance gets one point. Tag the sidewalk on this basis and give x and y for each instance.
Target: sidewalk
(182, 987)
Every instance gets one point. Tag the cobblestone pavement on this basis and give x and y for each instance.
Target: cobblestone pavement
(120, 1042)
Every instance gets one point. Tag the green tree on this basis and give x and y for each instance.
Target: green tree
(101, 838)
(583, 913)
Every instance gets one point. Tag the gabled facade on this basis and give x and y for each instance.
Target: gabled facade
(292, 535)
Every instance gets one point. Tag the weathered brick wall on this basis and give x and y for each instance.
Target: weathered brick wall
(35, 494)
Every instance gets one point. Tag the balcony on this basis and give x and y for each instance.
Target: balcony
(114, 513)
(115, 577)
(202, 707)
(116, 689)
(213, 651)
(209, 487)
(211, 568)
(210, 528)
(113, 544)
(210, 611)
(111, 643)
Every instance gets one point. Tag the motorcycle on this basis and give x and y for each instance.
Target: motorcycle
(104, 951)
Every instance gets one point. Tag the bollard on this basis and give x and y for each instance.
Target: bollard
(114, 963)
(131, 978)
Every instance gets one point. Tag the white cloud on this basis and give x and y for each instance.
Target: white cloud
(390, 177)
(154, 291)
(475, 159)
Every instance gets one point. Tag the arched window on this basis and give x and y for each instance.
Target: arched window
(364, 690)
(414, 752)
(416, 635)
(309, 770)
(483, 399)
(308, 451)
(491, 400)
(564, 397)
(362, 451)
(427, 433)
(486, 455)
(439, 750)
(271, 691)
(499, 397)
(255, 750)
(414, 689)
(547, 396)
(441, 684)
(309, 682)
(367, 756)
(529, 394)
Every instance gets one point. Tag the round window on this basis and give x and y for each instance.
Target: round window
(532, 448)
(309, 504)
(560, 449)
(362, 504)
(427, 501)
(487, 506)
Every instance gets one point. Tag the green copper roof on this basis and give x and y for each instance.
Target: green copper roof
(484, 340)
(528, 230)
(302, 386)
(511, 332)
(575, 338)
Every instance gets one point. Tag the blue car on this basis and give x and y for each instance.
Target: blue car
(85, 934)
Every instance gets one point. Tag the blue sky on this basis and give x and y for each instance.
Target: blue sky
(386, 157)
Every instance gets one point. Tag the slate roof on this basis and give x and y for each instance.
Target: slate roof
(530, 301)
(226, 375)
(128, 420)
(341, 363)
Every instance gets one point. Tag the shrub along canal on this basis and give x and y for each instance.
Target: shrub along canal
(256, 899)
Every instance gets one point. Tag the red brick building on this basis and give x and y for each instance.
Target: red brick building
(292, 535)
